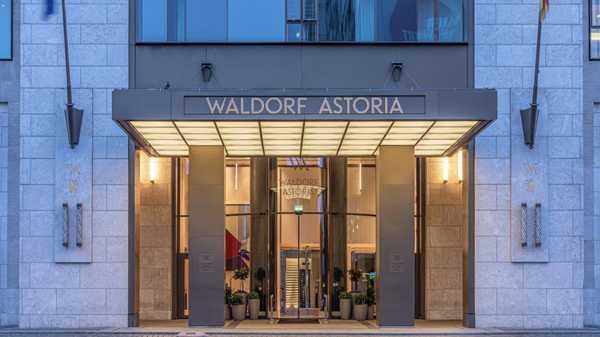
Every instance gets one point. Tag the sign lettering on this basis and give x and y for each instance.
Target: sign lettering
(305, 105)
(396, 263)
(206, 263)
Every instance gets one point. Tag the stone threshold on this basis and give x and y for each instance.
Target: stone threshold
(295, 331)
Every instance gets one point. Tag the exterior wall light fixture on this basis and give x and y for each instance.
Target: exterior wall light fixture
(396, 71)
(236, 176)
(206, 68)
(152, 169)
(445, 170)
(460, 166)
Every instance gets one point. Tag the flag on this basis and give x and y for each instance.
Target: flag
(49, 8)
(544, 8)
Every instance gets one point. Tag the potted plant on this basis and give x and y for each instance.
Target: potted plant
(355, 274)
(345, 304)
(228, 293)
(238, 307)
(242, 275)
(253, 304)
(370, 302)
(360, 307)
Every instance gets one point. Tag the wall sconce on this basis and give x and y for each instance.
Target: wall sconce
(206, 68)
(445, 172)
(236, 176)
(396, 71)
(152, 169)
(360, 176)
(460, 166)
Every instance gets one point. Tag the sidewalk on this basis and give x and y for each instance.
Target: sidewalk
(263, 328)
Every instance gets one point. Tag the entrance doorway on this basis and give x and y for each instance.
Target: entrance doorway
(300, 269)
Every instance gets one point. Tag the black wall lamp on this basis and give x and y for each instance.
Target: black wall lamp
(396, 71)
(529, 118)
(206, 69)
(74, 117)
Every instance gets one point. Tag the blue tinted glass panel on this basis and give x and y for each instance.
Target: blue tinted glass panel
(415, 20)
(256, 20)
(364, 13)
(309, 32)
(595, 44)
(5, 29)
(151, 20)
(310, 10)
(342, 20)
(293, 33)
(176, 20)
(293, 10)
(206, 20)
(450, 20)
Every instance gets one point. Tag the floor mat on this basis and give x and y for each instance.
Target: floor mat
(298, 321)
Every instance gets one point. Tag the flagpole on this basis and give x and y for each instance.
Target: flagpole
(529, 116)
(69, 97)
(537, 64)
(73, 116)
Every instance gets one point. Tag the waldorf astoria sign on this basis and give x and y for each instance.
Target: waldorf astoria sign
(304, 105)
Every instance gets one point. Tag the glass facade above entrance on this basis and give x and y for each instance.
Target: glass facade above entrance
(301, 20)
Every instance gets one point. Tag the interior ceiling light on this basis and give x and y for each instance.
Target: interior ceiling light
(301, 139)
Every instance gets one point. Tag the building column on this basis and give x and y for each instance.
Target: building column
(468, 235)
(395, 265)
(259, 228)
(207, 235)
(338, 203)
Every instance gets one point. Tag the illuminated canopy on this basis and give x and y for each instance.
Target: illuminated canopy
(167, 123)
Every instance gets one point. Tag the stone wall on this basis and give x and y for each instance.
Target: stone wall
(155, 240)
(443, 250)
(77, 295)
(545, 294)
(9, 179)
(591, 174)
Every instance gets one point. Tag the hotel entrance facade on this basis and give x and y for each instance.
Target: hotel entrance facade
(299, 140)
(299, 195)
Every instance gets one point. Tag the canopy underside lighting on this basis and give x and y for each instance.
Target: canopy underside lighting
(302, 138)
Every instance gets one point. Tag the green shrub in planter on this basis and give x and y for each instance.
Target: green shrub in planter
(345, 296)
(237, 299)
(253, 305)
(360, 307)
(228, 293)
(345, 304)
(370, 296)
(360, 299)
(238, 307)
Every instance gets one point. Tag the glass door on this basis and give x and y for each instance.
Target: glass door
(300, 266)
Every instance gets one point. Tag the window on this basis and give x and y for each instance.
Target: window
(595, 30)
(5, 30)
(301, 20)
